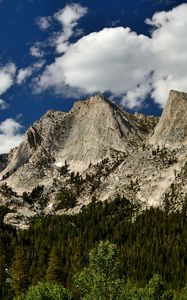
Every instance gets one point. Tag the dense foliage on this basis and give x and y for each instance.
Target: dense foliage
(54, 249)
(45, 291)
(100, 280)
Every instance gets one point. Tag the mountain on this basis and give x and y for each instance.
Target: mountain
(93, 130)
(155, 174)
(97, 151)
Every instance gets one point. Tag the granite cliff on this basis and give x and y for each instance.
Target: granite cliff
(93, 130)
(97, 151)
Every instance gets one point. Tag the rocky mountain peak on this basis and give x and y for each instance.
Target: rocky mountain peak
(92, 101)
(172, 126)
(173, 94)
(93, 130)
(98, 151)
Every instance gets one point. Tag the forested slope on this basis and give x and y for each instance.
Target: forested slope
(54, 249)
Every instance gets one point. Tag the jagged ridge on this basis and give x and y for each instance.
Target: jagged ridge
(172, 127)
(93, 130)
(116, 153)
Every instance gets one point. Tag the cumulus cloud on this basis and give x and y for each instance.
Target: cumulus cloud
(23, 74)
(68, 18)
(169, 50)
(10, 135)
(103, 61)
(135, 97)
(128, 65)
(96, 62)
(7, 74)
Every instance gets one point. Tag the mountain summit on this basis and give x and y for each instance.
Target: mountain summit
(97, 151)
(93, 130)
(172, 127)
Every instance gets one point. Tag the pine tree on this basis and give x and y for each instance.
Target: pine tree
(39, 265)
(54, 271)
(19, 271)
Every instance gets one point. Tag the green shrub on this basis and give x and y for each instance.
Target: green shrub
(46, 291)
(66, 199)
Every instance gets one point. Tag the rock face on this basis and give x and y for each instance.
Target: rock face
(91, 131)
(116, 153)
(3, 161)
(172, 127)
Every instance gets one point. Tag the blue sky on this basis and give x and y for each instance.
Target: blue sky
(53, 52)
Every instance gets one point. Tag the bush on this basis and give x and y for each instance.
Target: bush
(36, 194)
(100, 280)
(64, 169)
(46, 291)
(6, 190)
(66, 199)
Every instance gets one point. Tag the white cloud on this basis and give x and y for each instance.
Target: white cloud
(10, 135)
(134, 98)
(35, 51)
(7, 74)
(3, 104)
(68, 18)
(125, 63)
(23, 74)
(169, 48)
(102, 61)
(43, 22)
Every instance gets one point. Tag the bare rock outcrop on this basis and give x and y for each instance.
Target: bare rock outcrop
(116, 153)
(3, 161)
(172, 127)
(93, 130)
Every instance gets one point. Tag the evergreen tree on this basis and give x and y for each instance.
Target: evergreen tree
(54, 271)
(66, 199)
(64, 169)
(19, 271)
(39, 264)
